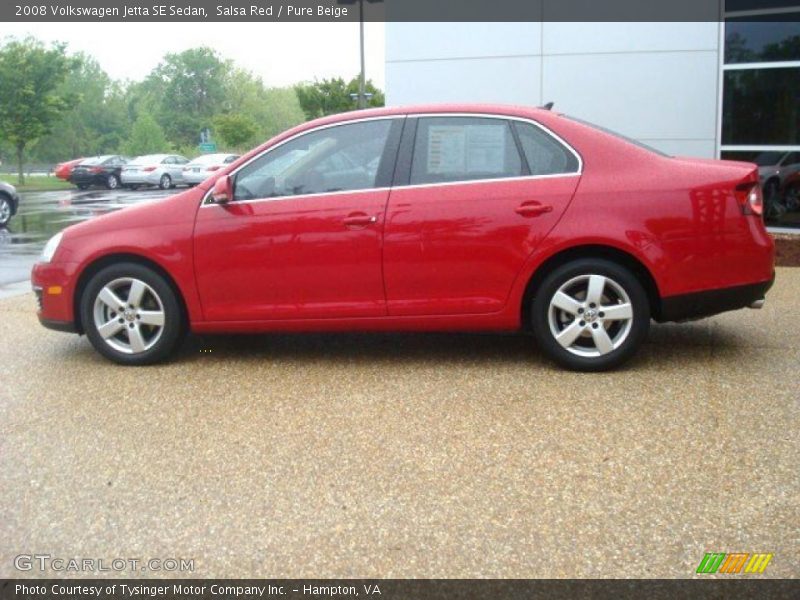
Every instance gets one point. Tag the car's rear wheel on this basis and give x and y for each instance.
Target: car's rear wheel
(590, 315)
(131, 315)
(165, 182)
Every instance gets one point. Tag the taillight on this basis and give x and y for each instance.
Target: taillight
(751, 200)
(148, 169)
(212, 168)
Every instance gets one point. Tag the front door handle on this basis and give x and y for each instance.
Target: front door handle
(533, 209)
(359, 219)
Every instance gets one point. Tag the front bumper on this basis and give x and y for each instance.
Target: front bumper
(53, 285)
(711, 302)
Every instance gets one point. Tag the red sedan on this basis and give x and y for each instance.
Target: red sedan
(459, 218)
(64, 170)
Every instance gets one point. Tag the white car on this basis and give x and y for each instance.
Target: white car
(203, 166)
(163, 170)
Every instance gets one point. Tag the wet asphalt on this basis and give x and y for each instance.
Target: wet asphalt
(43, 214)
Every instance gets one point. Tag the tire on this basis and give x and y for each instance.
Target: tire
(137, 335)
(575, 331)
(6, 209)
(112, 182)
(165, 182)
(83, 186)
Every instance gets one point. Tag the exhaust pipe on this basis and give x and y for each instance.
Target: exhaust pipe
(757, 303)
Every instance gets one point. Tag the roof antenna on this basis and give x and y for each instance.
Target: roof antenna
(548, 106)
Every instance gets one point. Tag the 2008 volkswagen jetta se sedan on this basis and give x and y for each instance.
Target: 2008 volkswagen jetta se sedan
(446, 218)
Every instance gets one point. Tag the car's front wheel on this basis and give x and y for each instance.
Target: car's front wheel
(131, 315)
(590, 315)
(112, 182)
(5, 210)
(165, 182)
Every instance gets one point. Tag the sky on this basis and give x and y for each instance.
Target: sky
(281, 53)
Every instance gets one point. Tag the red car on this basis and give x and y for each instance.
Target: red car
(64, 170)
(459, 218)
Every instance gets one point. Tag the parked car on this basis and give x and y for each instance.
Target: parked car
(460, 217)
(163, 170)
(9, 202)
(202, 167)
(774, 168)
(98, 170)
(64, 170)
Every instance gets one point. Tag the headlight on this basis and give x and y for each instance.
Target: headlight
(50, 247)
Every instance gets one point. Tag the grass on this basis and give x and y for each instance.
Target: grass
(37, 183)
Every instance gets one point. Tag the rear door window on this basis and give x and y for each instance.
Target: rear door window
(452, 149)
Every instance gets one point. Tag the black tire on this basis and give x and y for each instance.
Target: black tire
(112, 182)
(174, 327)
(165, 182)
(6, 209)
(82, 186)
(631, 332)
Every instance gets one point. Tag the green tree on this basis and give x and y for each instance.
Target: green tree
(96, 124)
(147, 137)
(331, 96)
(271, 110)
(30, 101)
(234, 130)
(186, 91)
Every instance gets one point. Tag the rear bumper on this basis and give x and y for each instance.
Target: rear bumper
(712, 302)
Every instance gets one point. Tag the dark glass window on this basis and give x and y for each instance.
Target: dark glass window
(762, 39)
(545, 155)
(463, 149)
(341, 158)
(761, 107)
(737, 5)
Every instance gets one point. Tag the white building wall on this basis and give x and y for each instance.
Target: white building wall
(656, 82)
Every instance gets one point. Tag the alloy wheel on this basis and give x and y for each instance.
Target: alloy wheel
(5, 210)
(590, 315)
(129, 315)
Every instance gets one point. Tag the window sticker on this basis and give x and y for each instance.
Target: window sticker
(454, 149)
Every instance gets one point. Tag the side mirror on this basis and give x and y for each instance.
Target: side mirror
(223, 190)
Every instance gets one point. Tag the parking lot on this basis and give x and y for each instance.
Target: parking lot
(406, 455)
(43, 214)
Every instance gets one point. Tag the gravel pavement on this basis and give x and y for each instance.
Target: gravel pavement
(406, 455)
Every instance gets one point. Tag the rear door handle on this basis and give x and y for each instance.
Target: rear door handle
(533, 209)
(360, 219)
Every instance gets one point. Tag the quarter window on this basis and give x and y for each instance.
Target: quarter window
(336, 159)
(449, 149)
(545, 155)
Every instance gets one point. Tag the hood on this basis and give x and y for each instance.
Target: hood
(167, 211)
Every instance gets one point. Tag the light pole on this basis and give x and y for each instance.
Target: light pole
(361, 101)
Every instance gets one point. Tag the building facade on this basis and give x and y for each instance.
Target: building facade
(711, 89)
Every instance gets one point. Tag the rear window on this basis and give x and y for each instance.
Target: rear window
(624, 138)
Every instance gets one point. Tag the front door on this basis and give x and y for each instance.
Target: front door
(302, 237)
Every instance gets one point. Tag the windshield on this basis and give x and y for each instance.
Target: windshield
(209, 159)
(768, 159)
(96, 160)
(624, 138)
(150, 158)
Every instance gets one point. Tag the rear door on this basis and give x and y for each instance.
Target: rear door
(473, 197)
